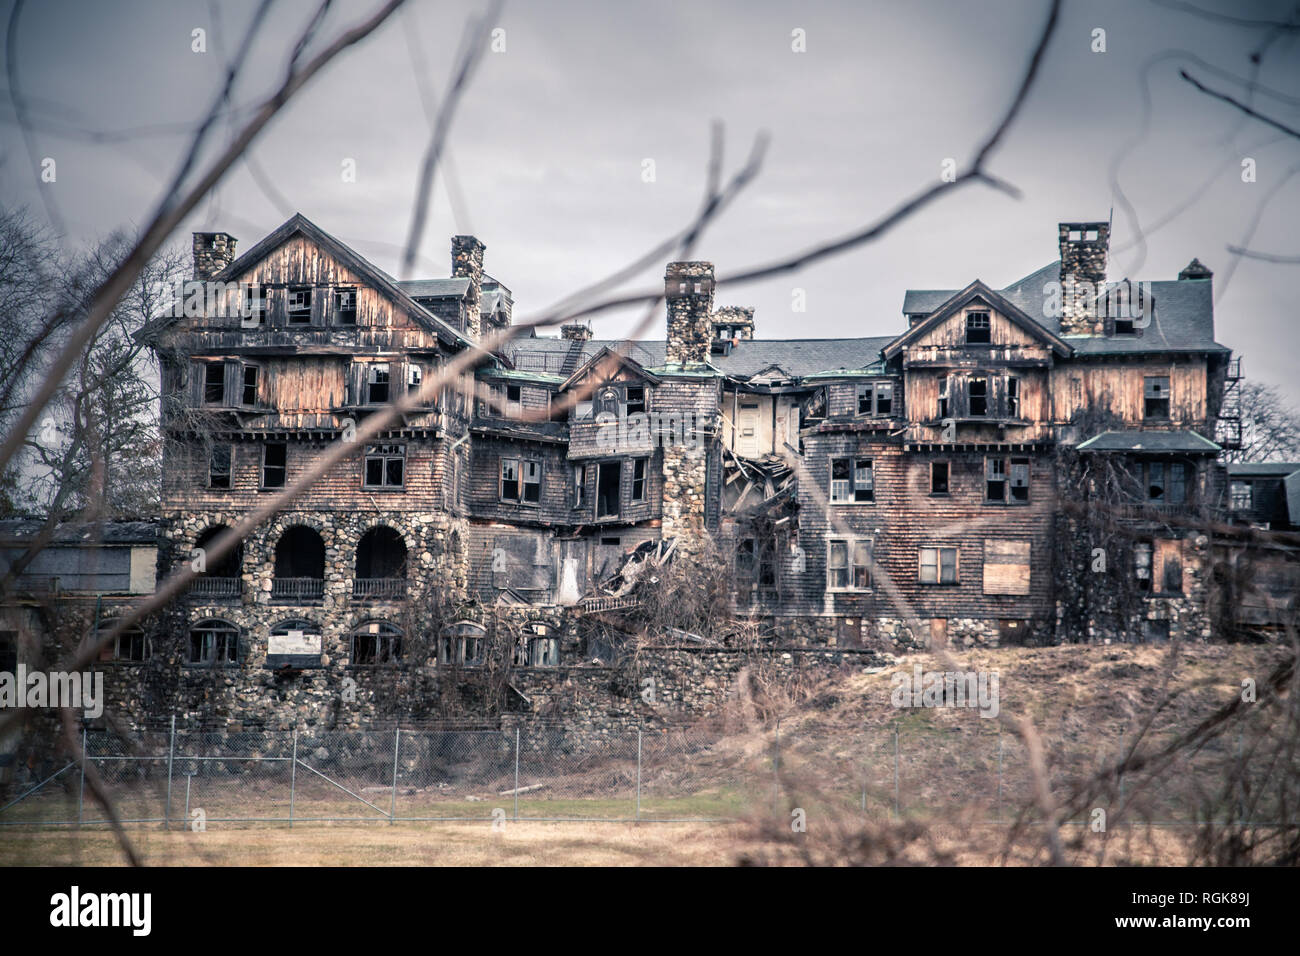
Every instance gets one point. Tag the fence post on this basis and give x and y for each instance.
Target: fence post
(638, 774)
(516, 771)
(171, 755)
(392, 806)
(999, 817)
(81, 794)
(293, 776)
(896, 813)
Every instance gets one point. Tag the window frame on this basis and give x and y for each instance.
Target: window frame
(870, 393)
(1235, 486)
(938, 565)
(641, 465)
(293, 316)
(984, 332)
(230, 466)
(216, 659)
(947, 479)
(1162, 400)
(337, 311)
(386, 453)
(852, 486)
(372, 372)
(283, 469)
(853, 569)
(392, 640)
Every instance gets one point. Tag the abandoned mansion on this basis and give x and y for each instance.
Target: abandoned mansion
(1036, 463)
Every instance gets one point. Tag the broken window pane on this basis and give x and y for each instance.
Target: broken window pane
(864, 488)
(377, 384)
(996, 482)
(532, 482)
(841, 478)
(979, 397)
(274, 457)
(509, 479)
(219, 466)
(1155, 394)
(978, 331)
(837, 565)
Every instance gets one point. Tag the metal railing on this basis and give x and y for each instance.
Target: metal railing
(214, 587)
(299, 589)
(378, 589)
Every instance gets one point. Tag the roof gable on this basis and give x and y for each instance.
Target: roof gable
(605, 357)
(978, 291)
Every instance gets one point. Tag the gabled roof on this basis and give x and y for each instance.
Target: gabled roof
(977, 291)
(1185, 442)
(298, 224)
(623, 361)
(1182, 321)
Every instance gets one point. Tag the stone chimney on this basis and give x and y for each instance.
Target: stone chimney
(734, 322)
(1196, 270)
(577, 331)
(688, 287)
(467, 263)
(1084, 250)
(213, 251)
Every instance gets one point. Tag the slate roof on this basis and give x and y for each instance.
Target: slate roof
(1176, 441)
(798, 357)
(17, 530)
(435, 288)
(1183, 320)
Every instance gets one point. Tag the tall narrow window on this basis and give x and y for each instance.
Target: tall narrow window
(884, 398)
(841, 480)
(377, 383)
(219, 466)
(514, 401)
(638, 479)
(510, 479)
(1176, 494)
(608, 484)
(862, 564)
(979, 397)
(995, 486)
(214, 383)
(274, 464)
(1019, 480)
(414, 378)
(532, 475)
(249, 396)
(866, 399)
(837, 565)
(1142, 565)
(1155, 395)
(579, 485)
(943, 397)
(978, 331)
(938, 477)
(1013, 397)
(864, 483)
(1156, 481)
(635, 399)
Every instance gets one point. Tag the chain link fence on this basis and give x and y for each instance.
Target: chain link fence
(192, 779)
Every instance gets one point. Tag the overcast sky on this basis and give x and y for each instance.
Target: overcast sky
(549, 148)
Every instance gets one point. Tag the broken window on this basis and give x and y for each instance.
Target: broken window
(1239, 496)
(1020, 480)
(864, 483)
(219, 466)
(938, 565)
(745, 568)
(130, 646)
(254, 306)
(848, 564)
(943, 397)
(274, 464)
(514, 401)
(249, 396)
(345, 306)
(979, 397)
(299, 307)
(583, 410)
(1173, 576)
(1013, 397)
(377, 383)
(1142, 564)
(1155, 394)
(635, 399)
(532, 471)
(1007, 480)
(376, 642)
(995, 488)
(463, 642)
(213, 643)
(214, 383)
(510, 479)
(978, 330)
(1156, 481)
(638, 478)
(1176, 493)
(938, 477)
(385, 466)
(837, 565)
(608, 480)
(537, 647)
(841, 480)
(579, 485)
(414, 378)
(866, 399)
(884, 398)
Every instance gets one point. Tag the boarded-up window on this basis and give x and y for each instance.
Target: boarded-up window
(1006, 567)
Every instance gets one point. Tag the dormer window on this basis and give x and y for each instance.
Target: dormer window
(978, 331)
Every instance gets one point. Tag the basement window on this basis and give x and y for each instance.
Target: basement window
(219, 466)
(608, 480)
(385, 466)
(1155, 394)
(299, 307)
(377, 384)
(345, 306)
(274, 464)
(638, 478)
(938, 565)
(979, 397)
(938, 477)
(978, 330)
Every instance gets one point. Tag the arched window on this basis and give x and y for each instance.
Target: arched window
(213, 643)
(294, 643)
(376, 642)
(220, 578)
(538, 646)
(130, 646)
(381, 565)
(299, 566)
(464, 642)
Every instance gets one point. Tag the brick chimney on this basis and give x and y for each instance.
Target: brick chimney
(1085, 247)
(688, 287)
(213, 251)
(467, 263)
